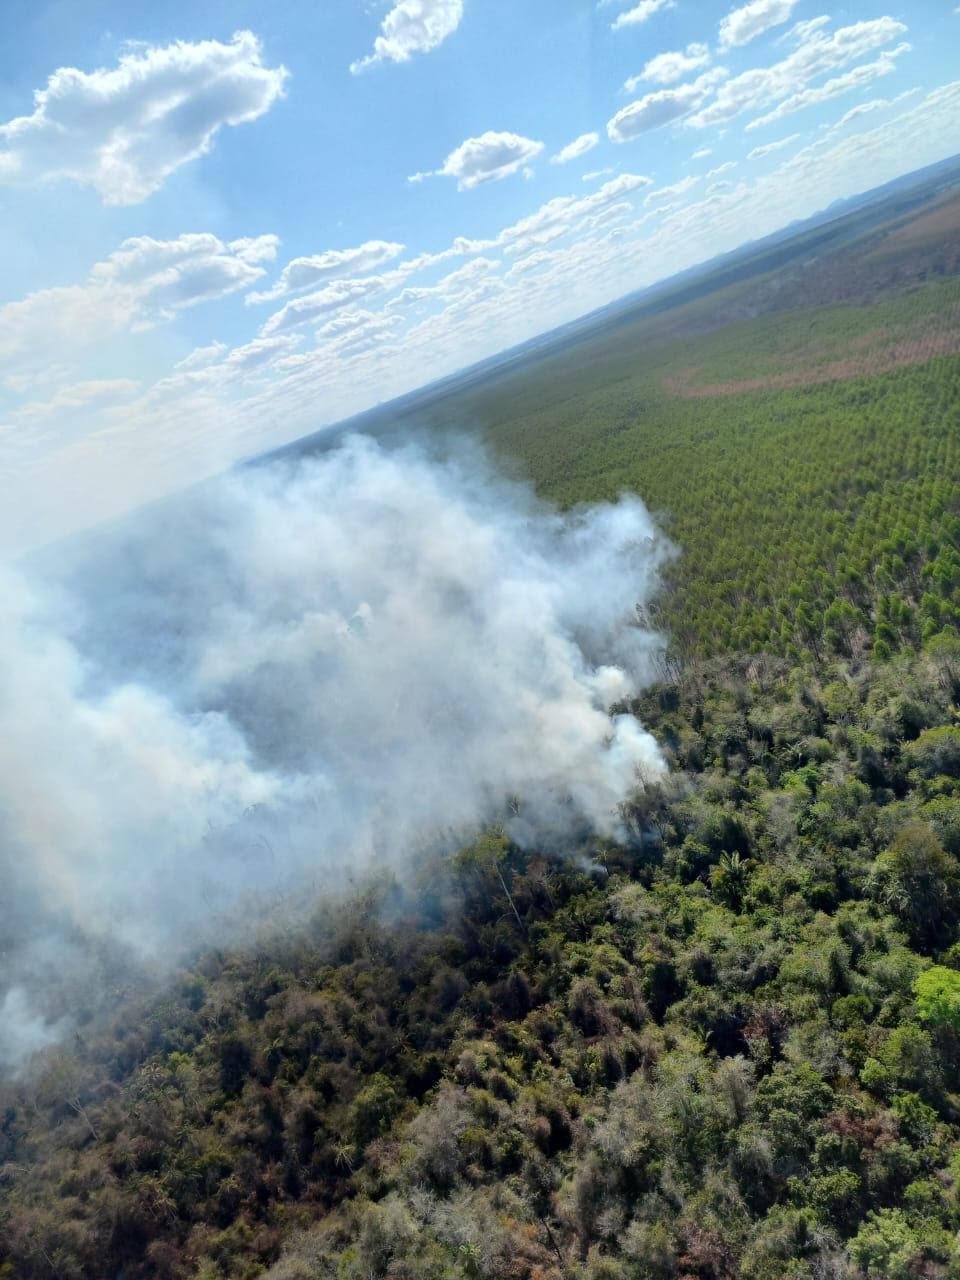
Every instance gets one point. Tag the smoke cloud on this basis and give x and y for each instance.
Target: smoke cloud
(301, 668)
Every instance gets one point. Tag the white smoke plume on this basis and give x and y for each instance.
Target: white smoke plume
(301, 667)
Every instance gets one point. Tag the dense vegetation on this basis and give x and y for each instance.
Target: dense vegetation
(727, 1048)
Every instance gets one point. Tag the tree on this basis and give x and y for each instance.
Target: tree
(729, 879)
(937, 992)
(936, 751)
(920, 882)
(486, 856)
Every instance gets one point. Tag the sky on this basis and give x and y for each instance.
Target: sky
(226, 225)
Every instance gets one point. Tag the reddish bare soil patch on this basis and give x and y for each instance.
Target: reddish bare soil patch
(899, 355)
(942, 220)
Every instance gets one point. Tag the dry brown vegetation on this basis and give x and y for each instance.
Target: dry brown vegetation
(862, 364)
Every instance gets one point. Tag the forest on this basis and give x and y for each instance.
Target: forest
(724, 1047)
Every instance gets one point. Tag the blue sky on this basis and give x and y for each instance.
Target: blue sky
(212, 243)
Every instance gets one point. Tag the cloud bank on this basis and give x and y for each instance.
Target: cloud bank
(296, 672)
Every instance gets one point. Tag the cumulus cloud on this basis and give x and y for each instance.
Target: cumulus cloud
(303, 273)
(662, 107)
(640, 13)
(578, 147)
(489, 158)
(818, 53)
(668, 68)
(751, 20)
(290, 676)
(412, 26)
(123, 131)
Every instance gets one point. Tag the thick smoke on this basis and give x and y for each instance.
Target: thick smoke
(300, 669)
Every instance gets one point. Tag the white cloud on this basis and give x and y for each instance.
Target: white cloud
(867, 108)
(343, 337)
(759, 152)
(596, 174)
(168, 275)
(801, 32)
(412, 26)
(641, 13)
(564, 214)
(849, 82)
(578, 147)
(217, 365)
(702, 153)
(124, 131)
(259, 352)
(721, 168)
(668, 68)
(201, 356)
(303, 273)
(334, 297)
(670, 193)
(662, 107)
(818, 54)
(751, 20)
(536, 261)
(449, 286)
(346, 322)
(488, 158)
(379, 329)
